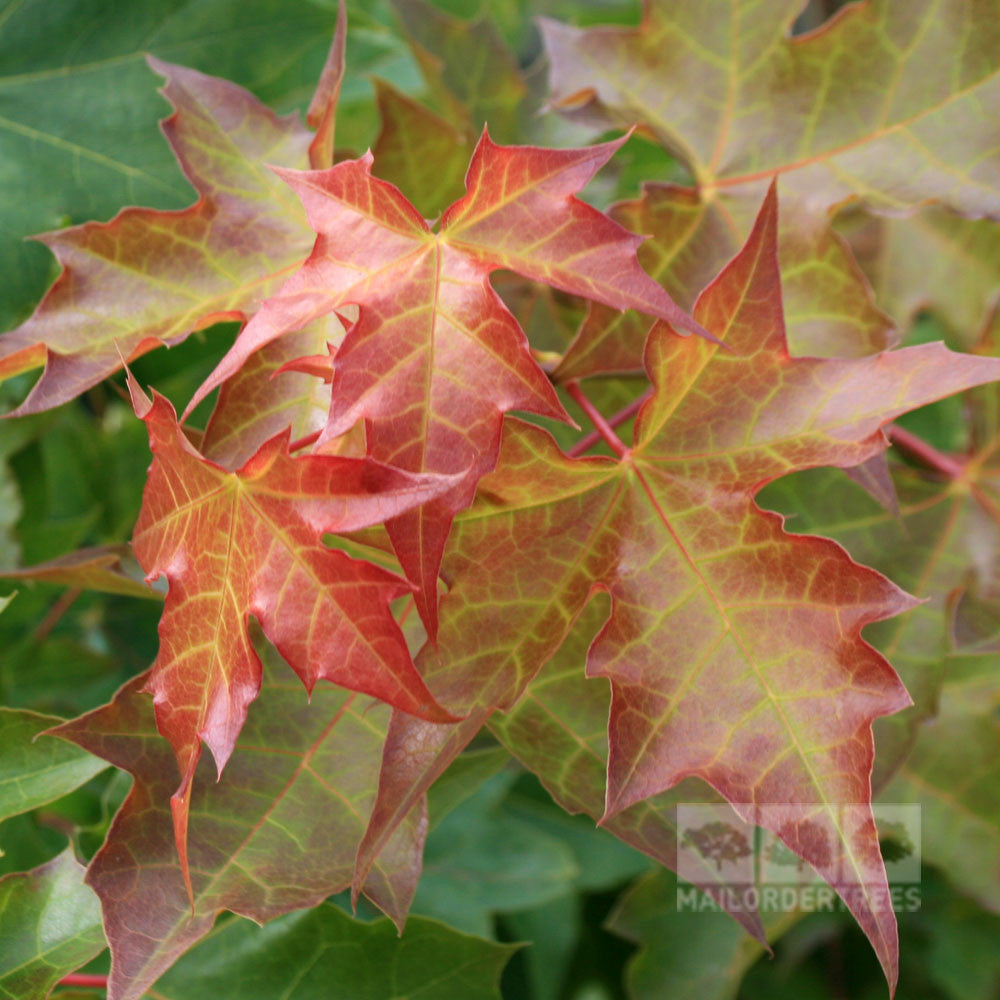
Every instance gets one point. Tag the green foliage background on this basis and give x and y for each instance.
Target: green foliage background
(79, 140)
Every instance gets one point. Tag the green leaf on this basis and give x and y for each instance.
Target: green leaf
(10, 513)
(933, 259)
(37, 768)
(462, 779)
(470, 73)
(962, 956)
(482, 860)
(602, 861)
(420, 152)
(682, 955)
(323, 954)
(107, 568)
(50, 926)
(553, 929)
(953, 773)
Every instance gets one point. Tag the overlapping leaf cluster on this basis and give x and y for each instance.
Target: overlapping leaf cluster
(360, 463)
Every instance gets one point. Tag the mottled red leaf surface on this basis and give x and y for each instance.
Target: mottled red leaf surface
(435, 358)
(276, 833)
(924, 548)
(887, 103)
(559, 730)
(150, 277)
(267, 396)
(733, 648)
(232, 544)
(943, 539)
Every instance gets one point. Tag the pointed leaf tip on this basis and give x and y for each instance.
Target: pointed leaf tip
(141, 403)
(322, 112)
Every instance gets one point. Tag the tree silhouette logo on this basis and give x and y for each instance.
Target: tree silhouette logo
(718, 841)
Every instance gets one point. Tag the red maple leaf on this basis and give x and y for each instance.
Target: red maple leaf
(733, 647)
(435, 359)
(232, 544)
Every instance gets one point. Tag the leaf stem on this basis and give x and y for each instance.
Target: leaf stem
(61, 606)
(604, 429)
(615, 420)
(925, 453)
(84, 979)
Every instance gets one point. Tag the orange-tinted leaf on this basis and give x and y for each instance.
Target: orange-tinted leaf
(885, 104)
(733, 648)
(277, 832)
(272, 392)
(232, 544)
(149, 277)
(435, 358)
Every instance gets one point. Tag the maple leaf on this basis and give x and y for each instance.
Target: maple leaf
(470, 72)
(420, 152)
(829, 311)
(271, 393)
(647, 914)
(558, 730)
(322, 113)
(276, 833)
(915, 547)
(943, 538)
(232, 544)
(885, 103)
(935, 259)
(324, 953)
(150, 277)
(733, 648)
(435, 359)
(34, 768)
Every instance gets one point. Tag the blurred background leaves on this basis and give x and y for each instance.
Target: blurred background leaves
(78, 141)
